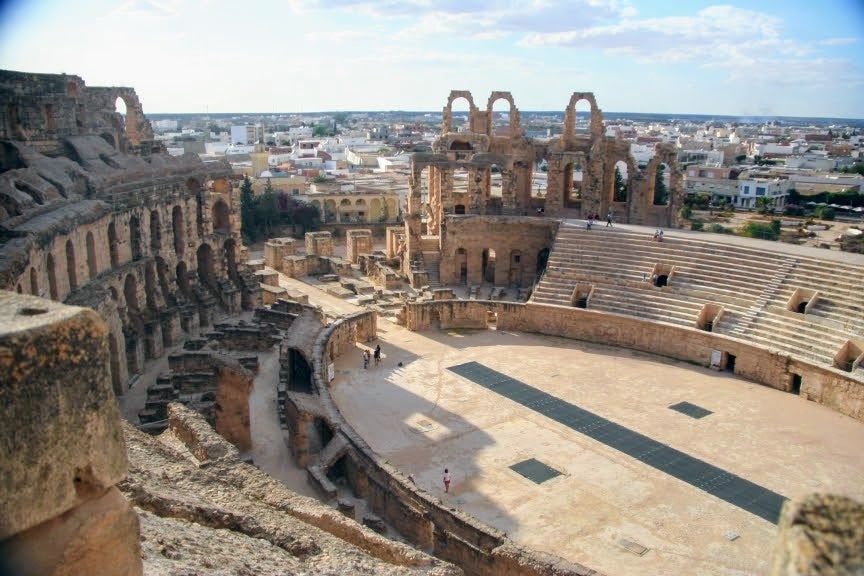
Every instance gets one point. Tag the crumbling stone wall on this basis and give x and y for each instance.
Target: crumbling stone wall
(358, 242)
(62, 445)
(153, 244)
(319, 244)
(472, 156)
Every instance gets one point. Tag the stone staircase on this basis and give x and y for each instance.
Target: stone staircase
(432, 263)
(747, 318)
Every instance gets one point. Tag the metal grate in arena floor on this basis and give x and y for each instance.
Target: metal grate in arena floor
(534, 470)
(707, 477)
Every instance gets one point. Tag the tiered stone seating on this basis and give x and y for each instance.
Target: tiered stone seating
(753, 285)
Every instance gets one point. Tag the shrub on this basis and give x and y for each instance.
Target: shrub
(686, 212)
(697, 225)
(824, 213)
(763, 230)
(718, 228)
(793, 210)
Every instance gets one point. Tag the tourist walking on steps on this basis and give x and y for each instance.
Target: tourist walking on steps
(609, 219)
(377, 355)
(446, 480)
(365, 359)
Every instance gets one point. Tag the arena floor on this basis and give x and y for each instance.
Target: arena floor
(607, 510)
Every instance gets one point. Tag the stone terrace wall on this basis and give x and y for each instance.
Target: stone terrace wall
(822, 384)
(451, 535)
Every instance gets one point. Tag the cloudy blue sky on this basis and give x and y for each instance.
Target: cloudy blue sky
(774, 57)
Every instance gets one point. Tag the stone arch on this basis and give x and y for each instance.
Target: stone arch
(34, 282)
(52, 277)
(130, 292)
(447, 124)
(487, 265)
(114, 364)
(183, 279)
(92, 265)
(112, 291)
(178, 229)
(150, 290)
(126, 104)
(221, 220)
(596, 122)
(621, 193)
(113, 244)
(206, 266)
(376, 209)
(571, 190)
(135, 238)
(155, 232)
(515, 124)
(70, 265)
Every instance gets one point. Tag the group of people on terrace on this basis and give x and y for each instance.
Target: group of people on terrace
(595, 217)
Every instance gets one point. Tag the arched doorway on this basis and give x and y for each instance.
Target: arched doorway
(70, 265)
(488, 265)
(179, 230)
(155, 232)
(661, 184)
(52, 277)
(162, 274)
(221, 221)
(135, 237)
(130, 292)
(113, 244)
(91, 256)
(150, 289)
(206, 266)
(183, 279)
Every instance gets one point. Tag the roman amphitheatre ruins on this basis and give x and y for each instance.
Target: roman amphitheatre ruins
(606, 404)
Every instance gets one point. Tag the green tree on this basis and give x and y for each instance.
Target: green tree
(620, 187)
(763, 230)
(320, 130)
(247, 209)
(660, 192)
(824, 213)
(763, 205)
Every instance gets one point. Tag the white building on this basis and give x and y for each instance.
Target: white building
(249, 134)
(749, 190)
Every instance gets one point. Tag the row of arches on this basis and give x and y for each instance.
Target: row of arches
(504, 267)
(95, 263)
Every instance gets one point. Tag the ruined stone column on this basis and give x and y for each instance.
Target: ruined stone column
(61, 445)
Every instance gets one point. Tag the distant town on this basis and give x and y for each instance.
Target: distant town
(796, 164)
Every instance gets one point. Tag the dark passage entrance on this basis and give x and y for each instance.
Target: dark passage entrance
(730, 363)
(299, 372)
(796, 384)
(661, 280)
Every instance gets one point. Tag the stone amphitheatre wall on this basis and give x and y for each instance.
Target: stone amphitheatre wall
(418, 516)
(94, 213)
(831, 387)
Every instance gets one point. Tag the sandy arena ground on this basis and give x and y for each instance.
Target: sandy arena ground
(423, 418)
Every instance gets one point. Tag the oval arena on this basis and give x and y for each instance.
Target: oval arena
(606, 403)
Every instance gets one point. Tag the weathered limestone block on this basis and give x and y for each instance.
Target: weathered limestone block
(98, 537)
(319, 244)
(276, 249)
(61, 443)
(823, 535)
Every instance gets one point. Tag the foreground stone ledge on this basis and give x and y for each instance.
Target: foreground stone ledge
(61, 442)
(820, 535)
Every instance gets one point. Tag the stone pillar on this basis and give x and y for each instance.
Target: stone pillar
(276, 249)
(319, 244)
(358, 242)
(62, 448)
